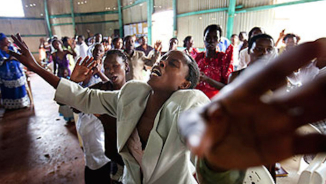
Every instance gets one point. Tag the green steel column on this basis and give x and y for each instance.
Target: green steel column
(47, 17)
(120, 19)
(73, 15)
(175, 18)
(149, 20)
(231, 12)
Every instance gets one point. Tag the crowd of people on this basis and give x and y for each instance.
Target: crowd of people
(131, 102)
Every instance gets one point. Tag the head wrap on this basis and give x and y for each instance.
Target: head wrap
(2, 36)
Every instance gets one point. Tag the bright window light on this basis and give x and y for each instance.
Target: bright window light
(11, 8)
(162, 28)
(304, 20)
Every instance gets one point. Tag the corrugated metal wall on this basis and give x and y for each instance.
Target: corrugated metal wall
(134, 14)
(194, 25)
(254, 3)
(185, 6)
(35, 27)
(162, 5)
(57, 7)
(31, 10)
(264, 19)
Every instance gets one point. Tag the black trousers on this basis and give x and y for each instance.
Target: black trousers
(98, 176)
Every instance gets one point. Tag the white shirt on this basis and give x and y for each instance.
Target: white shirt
(81, 50)
(91, 131)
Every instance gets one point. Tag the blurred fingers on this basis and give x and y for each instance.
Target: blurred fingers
(260, 78)
(79, 61)
(16, 55)
(17, 41)
(192, 128)
(309, 144)
(305, 104)
(84, 62)
(90, 63)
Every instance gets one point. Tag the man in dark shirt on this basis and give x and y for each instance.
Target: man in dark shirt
(143, 46)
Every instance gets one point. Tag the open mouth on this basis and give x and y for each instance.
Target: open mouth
(113, 78)
(156, 72)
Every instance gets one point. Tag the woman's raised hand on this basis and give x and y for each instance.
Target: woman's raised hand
(83, 70)
(158, 45)
(25, 56)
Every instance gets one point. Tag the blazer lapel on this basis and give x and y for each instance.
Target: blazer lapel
(132, 107)
(152, 151)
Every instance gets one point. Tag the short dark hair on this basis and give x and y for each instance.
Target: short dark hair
(256, 37)
(95, 45)
(120, 54)
(65, 39)
(97, 34)
(254, 29)
(187, 39)
(117, 52)
(242, 32)
(289, 35)
(172, 39)
(193, 75)
(126, 38)
(213, 27)
(56, 40)
(115, 40)
(234, 35)
(81, 36)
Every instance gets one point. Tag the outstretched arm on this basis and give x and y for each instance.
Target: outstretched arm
(84, 99)
(54, 63)
(210, 81)
(28, 60)
(72, 51)
(243, 127)
(282, 34)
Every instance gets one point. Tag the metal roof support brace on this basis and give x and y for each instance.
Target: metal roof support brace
(73, 15)
(120, 19)
(175, 18)
(149, 20)
(47, 19)
(230, 21)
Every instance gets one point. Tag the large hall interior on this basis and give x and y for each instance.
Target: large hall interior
(162, 91)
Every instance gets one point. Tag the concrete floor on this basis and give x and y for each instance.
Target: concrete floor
(37, 146)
